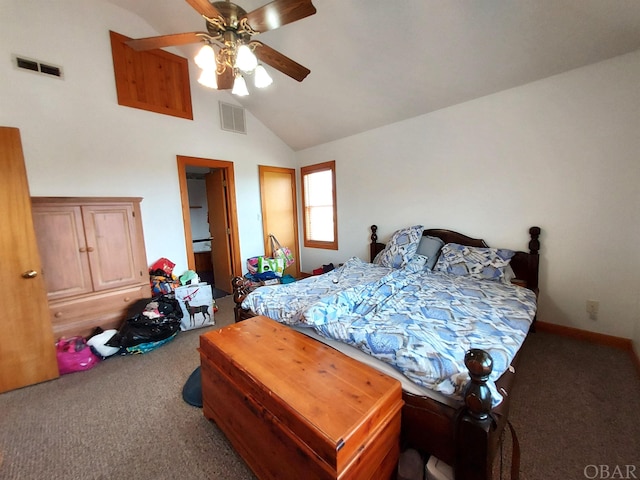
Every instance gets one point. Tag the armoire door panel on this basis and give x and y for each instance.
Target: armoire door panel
(62, 245)
(111, 247)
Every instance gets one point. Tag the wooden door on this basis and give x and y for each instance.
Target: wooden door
(232, 210)
(62, 246)
(111, 245)
(219, 229)
(279, 211)
(27, 348)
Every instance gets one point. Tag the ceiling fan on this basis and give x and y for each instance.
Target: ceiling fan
(230, 31)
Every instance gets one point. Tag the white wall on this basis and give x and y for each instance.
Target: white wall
(561, 153)
(79, 142)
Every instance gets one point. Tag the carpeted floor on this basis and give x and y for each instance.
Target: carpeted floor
(125, 418)
(575, 405)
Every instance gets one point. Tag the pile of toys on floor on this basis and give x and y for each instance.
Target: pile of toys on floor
(266, 271)
(178, 304)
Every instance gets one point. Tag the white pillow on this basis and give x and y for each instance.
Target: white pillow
(98, 343)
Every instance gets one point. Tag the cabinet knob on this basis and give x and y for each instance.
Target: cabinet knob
(30, 274)
(83, 249)
(58, 314)
(127, 299)
(89, 249)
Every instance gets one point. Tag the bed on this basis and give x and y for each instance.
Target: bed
(459, 418)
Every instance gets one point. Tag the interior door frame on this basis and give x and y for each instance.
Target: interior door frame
(232, 213)
(262, 169)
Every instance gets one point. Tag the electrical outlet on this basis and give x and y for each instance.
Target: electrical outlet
(592, 309)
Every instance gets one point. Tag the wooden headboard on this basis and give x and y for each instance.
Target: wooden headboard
(525, 265)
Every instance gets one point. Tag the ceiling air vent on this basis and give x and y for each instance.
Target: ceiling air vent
(232, 118)
(37, 66)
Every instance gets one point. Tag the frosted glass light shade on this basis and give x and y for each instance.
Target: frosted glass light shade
(245, 59)
(206, 58)
(262, 78)
(240, 87)
(208, 78)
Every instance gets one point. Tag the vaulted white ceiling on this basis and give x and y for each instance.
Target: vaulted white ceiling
(376, 62)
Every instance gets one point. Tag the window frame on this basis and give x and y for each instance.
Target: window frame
(316, 168)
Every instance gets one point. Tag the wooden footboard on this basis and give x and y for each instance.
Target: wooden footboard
(467, 438)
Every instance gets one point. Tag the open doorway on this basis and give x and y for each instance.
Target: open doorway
(219, 240)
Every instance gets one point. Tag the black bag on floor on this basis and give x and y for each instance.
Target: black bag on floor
(158, 320)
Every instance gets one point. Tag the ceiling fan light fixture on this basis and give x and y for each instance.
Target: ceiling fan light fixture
(245, 59)
(240, 87)
(229, 48)
(262, 78)
(206, 58)
(208, 78)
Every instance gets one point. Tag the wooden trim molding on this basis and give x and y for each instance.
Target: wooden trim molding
(279, 217)
(78, 200)
(183, 161)
(310, 170)
(636, 359)
(593, 337)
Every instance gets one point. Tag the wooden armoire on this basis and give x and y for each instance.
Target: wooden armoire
(93, 260)
(27, 346)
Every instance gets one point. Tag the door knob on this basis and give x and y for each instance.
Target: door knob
(30, 274)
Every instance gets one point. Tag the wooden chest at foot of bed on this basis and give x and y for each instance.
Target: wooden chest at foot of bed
(294, 408)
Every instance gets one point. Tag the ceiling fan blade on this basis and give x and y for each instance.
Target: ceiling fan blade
(280, 62)
(203, 7)
(150, 43)
(279, 13)
(226, 79)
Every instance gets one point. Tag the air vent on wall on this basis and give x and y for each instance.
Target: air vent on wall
(232, 118)
(38, 66)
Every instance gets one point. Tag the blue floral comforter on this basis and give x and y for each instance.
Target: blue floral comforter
(423, 323)
(287, 303)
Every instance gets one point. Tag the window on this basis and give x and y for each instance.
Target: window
(319, 205)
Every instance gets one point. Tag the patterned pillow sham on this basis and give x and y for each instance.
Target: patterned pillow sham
(401, 248)
(476, 262)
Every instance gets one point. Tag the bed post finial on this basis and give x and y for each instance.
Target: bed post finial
(240, 290)
(474, 425)
(534, 243)
(374, 235)
(477, 396)
(374, 246)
